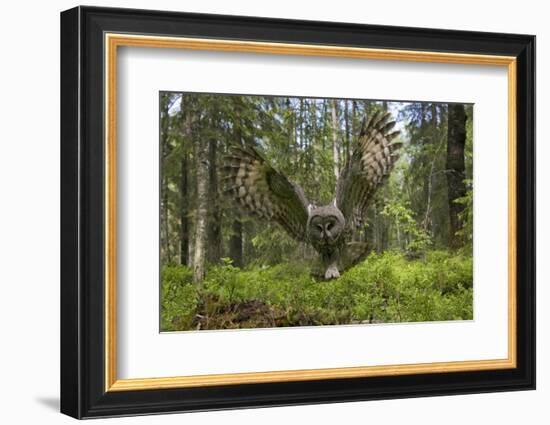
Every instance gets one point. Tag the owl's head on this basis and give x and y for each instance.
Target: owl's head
(325, 226)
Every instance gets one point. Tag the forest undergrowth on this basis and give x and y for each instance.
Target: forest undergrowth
(385, 288)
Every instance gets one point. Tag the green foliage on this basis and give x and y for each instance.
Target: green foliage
(409, 277)
(178, 298)
(466, 232)
(273, 245)
(297, 136)
(416, 238)
(385, 288)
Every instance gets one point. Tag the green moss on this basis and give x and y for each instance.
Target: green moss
(385, 288)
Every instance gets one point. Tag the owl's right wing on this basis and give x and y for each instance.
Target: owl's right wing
(262, 191)
(370, 163)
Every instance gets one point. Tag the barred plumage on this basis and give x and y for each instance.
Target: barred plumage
(368, 167)
(262, 191)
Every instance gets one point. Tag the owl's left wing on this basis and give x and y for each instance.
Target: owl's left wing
(262, 191)
(367, 168)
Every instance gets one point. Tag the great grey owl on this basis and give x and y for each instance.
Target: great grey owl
(262, 191)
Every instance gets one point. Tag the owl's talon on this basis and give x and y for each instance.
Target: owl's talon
(332, 273)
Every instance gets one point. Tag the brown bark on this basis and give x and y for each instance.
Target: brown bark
(302, 139)
(184, 216)
(236, 243)
(324, 122)
(354, 118)
(236, 239)
(335, 144)
(347, 127)
(165, 151)
(456, 140)
(187, 124)
(214, 222)
(201, 213)
(427, 222)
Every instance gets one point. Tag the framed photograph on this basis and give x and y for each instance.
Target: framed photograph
(261, 212)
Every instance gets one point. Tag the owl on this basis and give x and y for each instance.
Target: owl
(260, 190)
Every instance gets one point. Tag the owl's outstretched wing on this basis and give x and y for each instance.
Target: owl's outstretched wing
(262, 191)
(370, 163)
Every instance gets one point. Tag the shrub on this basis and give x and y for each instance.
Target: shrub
(178, 299)
(385, 288)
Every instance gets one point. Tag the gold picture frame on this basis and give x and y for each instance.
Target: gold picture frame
(114, 41)
(91, 40)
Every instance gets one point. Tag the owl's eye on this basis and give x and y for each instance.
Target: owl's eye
(320, 227)
(330, 225)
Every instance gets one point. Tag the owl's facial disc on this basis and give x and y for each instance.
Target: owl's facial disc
(332, 229)
(325, 229)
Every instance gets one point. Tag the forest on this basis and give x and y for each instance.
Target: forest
(224, 269)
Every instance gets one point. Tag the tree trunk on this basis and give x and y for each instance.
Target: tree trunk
(165, 151)
(302, 139)
(324, 122)
(425, 141)
(384, 225)
(354, 123)
(184, 211)
(236, 239)
(214, 222)
(236, 243)
(347, 126)
(428, 220)
(201, 213)
(187, 124)
(456, 140)
(335, 144)
(312, 137)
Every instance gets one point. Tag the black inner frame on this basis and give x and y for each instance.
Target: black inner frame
(82, 212)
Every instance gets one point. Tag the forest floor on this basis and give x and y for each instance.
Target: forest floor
(385, 288)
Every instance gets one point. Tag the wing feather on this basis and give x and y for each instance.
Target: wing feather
(369, 165)
(260, 190)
